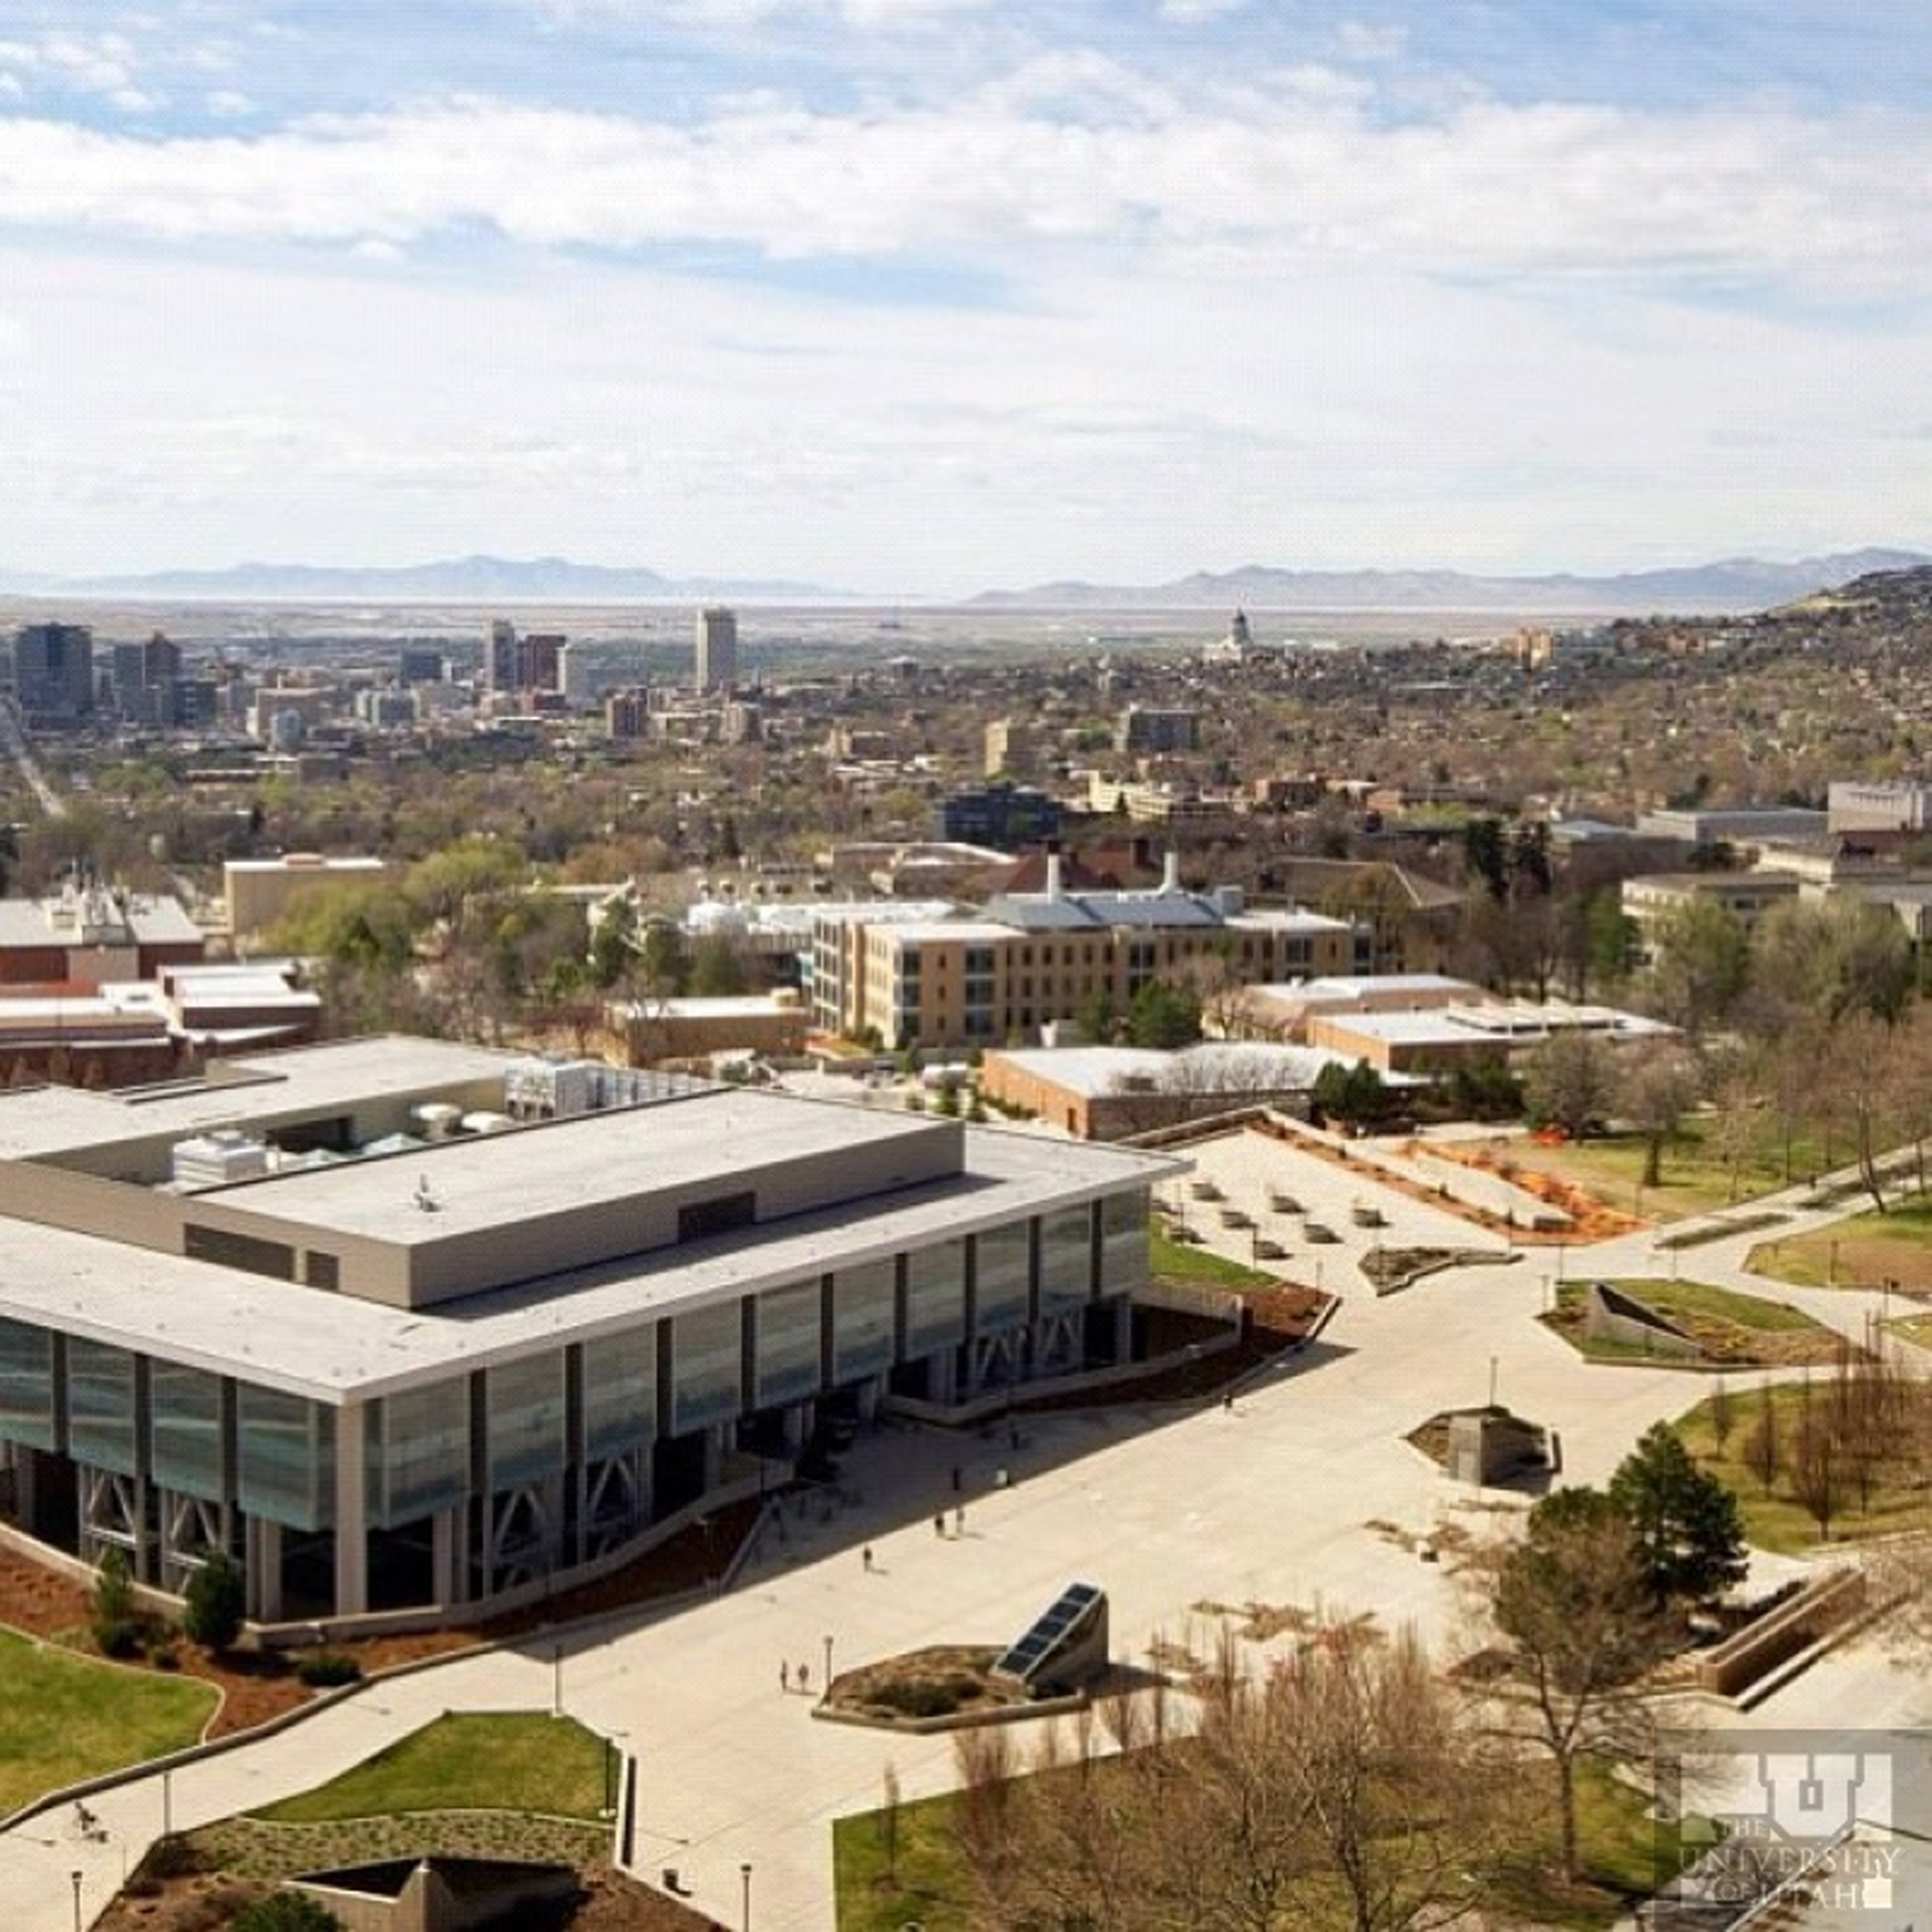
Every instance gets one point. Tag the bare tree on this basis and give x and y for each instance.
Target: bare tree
(1763, 1453)
(1345, 1787)
(1658, 1085)
(1814, 1464)
(1573, 1599)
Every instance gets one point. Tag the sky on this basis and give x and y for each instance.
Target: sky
(915, 297)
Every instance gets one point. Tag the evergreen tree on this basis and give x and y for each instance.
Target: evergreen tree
(1689, 1536)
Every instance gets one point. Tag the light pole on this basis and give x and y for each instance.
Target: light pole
(76, 1877)
(744, 1874)
(556, 1680)
(1492, 1381)
(825, 1690)
(167, 1804)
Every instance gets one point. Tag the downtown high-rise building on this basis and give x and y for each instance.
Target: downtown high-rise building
(717, 648)
(54, 671)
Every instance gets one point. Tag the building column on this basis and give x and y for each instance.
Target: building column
(942, 1376)
(352, 1521)
(264, 1563)
(445, 1554)
(1123, 1329)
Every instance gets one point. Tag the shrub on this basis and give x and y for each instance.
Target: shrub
(217, 1599)
(327, 1669)
(116, 1629)
(286, 1911)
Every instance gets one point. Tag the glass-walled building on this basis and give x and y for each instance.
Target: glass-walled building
(434, 1372)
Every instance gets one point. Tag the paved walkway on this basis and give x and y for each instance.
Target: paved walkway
(1166, 1509)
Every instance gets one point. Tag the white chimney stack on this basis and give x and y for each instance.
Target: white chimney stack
(1053, 871)
(1171, 874)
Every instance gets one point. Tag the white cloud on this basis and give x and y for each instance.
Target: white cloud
(98, 63)
(229, 103)
(1355, 41)
(1189, 13)
(1292, 168)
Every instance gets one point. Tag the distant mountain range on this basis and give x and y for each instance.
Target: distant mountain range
(1737, 583)
(453, 580)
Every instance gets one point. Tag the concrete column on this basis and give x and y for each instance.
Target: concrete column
(942, 1376)
(445, 1554)
(1123, 1329)
(869, 1392)
(265, 1570)
(352, 1522)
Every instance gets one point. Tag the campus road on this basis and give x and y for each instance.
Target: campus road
(1270, 1501)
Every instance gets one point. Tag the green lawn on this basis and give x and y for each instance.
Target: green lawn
(1620, 1846)
(1913, 1327)
(1694, 1179)
(1182, 1262)
(64, 1717)
(1776, 1520)
(1699, 1306)
(1680, 1299)
(1860, 1252)
(515, 1762)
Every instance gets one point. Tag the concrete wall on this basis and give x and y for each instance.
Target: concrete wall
(1609, 1316)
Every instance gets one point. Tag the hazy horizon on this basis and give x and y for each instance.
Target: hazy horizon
(924, 297)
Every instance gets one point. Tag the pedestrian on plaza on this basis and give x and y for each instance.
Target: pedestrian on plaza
(867, 1556)
(1227, 1405)
(959, 1519)
(805, 1678)
(938, 1522)
(784, 1676)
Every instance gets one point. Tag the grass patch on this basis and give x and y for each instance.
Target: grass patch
(1178, 1260)
(65, 1717)
(1775, 1520)
(1738, 1329)
(1696, 1179)
(1863, 1252)
(515, 1762)
(925, 1881)
(1724, 1230)
(923, 1878)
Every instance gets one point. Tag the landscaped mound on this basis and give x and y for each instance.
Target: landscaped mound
(916, 1685)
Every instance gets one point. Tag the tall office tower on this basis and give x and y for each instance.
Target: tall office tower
(500, 657)
(537, 657)
(54, 671)
(577, 676)
(717, 653)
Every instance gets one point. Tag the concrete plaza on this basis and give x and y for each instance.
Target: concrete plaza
(1269, 1501)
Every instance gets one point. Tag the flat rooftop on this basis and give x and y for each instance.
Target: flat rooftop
(44, 1123)
(334, 1349)
(487, 1182)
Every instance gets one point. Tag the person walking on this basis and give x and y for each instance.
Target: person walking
(959, 1519)
(938, 1522)
(866, 1557)
(784, 1676)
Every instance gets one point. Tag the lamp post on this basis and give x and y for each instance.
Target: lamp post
(556, 1680)
(744, 1875)
(825, 1689)
(76, 1877)
(167, 1804)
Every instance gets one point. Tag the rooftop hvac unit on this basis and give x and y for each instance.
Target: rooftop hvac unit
(212, 1160)
(435, 1120)
(483, 1122)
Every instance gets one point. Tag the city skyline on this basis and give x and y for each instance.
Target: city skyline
(931, 295)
